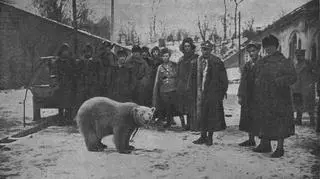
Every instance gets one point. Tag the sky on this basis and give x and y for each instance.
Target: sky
(176, 14)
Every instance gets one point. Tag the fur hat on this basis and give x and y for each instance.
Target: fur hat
(145, 49)
(270, 40)
(207, 44)
(254, 44)
(136, 48)
(187, 40)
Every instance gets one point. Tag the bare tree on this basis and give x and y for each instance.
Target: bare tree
(203, 27)
(61, 11)
(224, 21)
(154, 9)
(248, 30)
(236, 2)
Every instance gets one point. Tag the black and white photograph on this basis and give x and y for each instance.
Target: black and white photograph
(159, 89)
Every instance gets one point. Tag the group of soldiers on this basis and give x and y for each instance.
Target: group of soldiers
(196, 87)
(118, 76)
(272, 87)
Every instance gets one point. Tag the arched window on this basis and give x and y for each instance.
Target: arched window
(292, 45)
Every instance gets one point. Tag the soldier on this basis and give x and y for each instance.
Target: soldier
(150, 83)
(272, 107)
(213, 84)
(245, 93)
(67, 83)
(303, 90)
(108, 62)
(187, 81)
(91, 72)
(124, 82)
(141, 73)
(164, 91)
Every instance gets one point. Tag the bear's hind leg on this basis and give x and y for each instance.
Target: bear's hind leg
(92, 142)
(120, 136)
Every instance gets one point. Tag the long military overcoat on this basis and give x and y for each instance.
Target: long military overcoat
(272, 108)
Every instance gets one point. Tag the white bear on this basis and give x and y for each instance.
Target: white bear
(100, 116)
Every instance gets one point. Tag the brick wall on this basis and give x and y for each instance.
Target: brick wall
(24, 37)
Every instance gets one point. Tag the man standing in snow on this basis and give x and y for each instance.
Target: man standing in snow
(212, 87)
(245, 93)
(272, 108)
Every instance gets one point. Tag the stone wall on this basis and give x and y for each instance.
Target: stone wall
(24, 37)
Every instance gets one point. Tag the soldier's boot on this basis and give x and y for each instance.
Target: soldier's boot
(209, 139)
(202, 139)
(263, 147)
(312, 119)
(298, 120)
(279, 152)
(249, 142)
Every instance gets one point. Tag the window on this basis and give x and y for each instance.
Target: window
(292, 45)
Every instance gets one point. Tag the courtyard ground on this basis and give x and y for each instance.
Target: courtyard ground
(59, 152)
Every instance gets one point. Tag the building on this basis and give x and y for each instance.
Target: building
(299, 29)
(24, 37)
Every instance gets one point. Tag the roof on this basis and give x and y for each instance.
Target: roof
(309, 10)
(64, 25)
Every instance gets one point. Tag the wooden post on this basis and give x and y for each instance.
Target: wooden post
(239, 31)
(75, 26)
(112, 22)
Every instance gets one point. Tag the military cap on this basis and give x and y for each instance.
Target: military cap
(300, 52)
(165, 50)
(254, 44)
(270, 40)
(207, 44)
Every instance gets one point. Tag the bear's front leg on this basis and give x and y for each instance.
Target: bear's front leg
(129, 147)
(120, 135)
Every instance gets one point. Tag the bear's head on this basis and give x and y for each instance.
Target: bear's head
(143, 115)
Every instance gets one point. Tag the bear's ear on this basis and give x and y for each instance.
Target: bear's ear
(153, 109)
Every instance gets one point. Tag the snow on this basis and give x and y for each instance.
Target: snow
(59, 152)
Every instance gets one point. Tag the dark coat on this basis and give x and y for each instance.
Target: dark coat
(211, 96)
(245, 92)
(272, 108)
(92, 78)
(67, 82)
(141, 75)
(187, 85)
(123, 84)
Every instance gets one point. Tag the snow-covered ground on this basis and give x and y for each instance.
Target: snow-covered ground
(59, 152)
